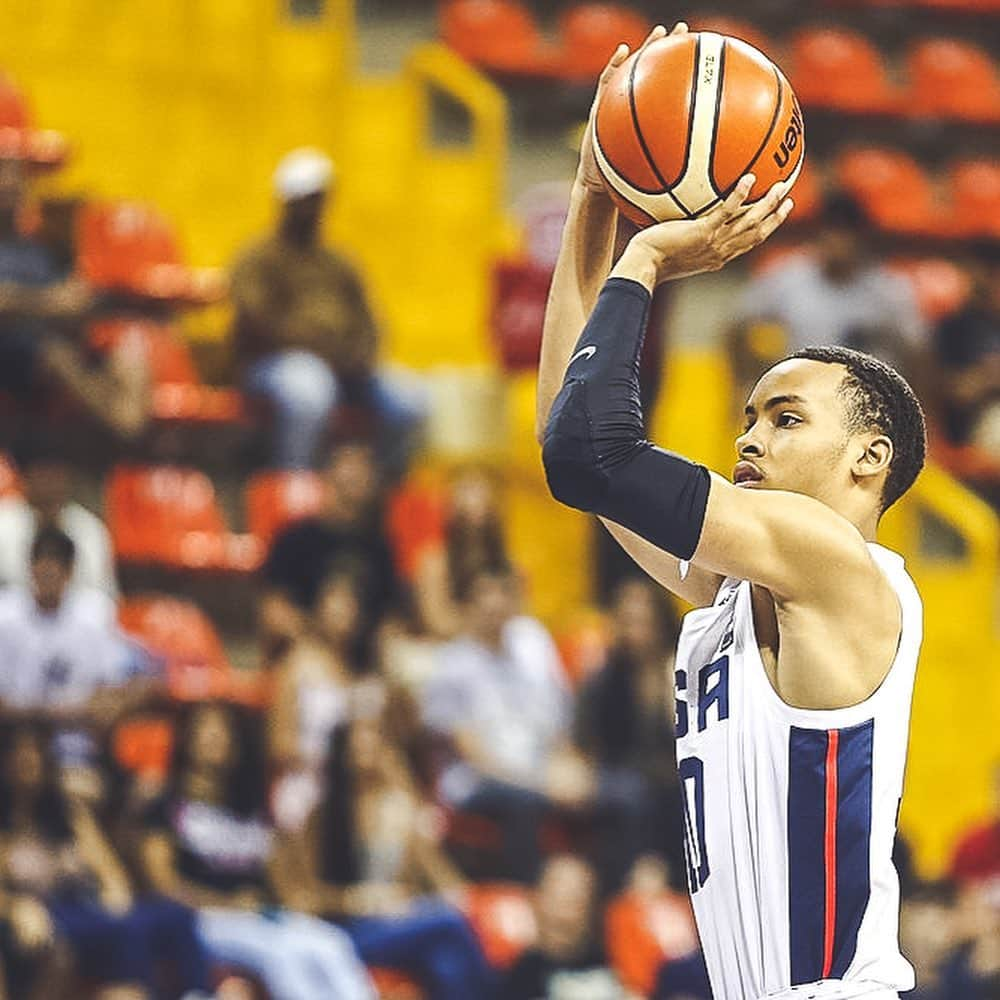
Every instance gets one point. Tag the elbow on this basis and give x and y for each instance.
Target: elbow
(571, 471)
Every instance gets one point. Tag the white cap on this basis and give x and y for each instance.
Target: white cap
(302, 172)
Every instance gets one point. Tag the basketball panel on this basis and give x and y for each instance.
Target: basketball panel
(782, 155)
(616, 133)
(749, 107)
(663, 90)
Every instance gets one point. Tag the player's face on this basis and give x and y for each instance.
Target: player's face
(794, 437)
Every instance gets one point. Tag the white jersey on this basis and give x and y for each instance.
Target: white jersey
(790, 813)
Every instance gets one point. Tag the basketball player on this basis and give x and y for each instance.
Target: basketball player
(794, 674)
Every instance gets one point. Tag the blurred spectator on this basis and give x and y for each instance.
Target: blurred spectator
(305, 334)
(973, 973)
(209, 843)
(42, 309)
(61, 652)
(835, 295)
(967, 346)
(48, 485)
(348, 533)
(501, 700)
(977, 854)
(441, 538)
(623, 725)
(67, 884)
(928, 936)
(313, 696)
(568, 962)
(372, 854)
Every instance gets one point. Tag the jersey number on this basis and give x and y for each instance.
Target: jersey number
(692, 774)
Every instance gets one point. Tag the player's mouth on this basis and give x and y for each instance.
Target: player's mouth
(746, 474)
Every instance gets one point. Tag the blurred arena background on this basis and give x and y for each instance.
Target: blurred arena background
(318, 527)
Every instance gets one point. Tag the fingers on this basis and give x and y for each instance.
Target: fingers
(739, 243)
(734, 204)
(755, 214)
(680, 28)
(617, 58)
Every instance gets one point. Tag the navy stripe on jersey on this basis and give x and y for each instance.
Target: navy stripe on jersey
(854, 832)
(829, 837)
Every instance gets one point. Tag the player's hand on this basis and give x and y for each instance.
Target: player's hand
(588, 174)
(684, 247)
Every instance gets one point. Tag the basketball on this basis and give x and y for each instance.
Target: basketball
(683, 119)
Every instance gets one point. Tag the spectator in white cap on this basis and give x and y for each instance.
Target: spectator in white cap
(304, 333)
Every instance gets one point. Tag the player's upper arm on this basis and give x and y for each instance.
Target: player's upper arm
(796, 547)
(698, 586)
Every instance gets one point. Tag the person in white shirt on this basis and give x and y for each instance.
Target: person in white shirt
(62, 656)
(47, 483)
(501, 699)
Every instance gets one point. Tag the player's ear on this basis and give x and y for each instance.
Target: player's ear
(874, 457)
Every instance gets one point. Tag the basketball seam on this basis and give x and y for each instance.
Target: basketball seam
(767, 135)
(642, 139)
(718, 115)
(695, 74)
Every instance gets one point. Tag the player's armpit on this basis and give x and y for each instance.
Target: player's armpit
(697, 586)
(796, 547)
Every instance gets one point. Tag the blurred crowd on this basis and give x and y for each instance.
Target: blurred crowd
(415, 789)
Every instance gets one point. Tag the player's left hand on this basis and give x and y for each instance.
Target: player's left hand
(588, 174)
(684, 247)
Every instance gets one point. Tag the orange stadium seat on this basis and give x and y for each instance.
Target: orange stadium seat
(19, 139)
(392, 985)
(895, 190)
(953, 79)
(143, 746)
(736, 28)
(841, 70)
(503, 918)
(275, 499)
(807, 193)
(590, 32)
(178, 392)
(975, 197)
(499, 36)
(170, 517)
(939, 285)
(642, 932)
(129, 247)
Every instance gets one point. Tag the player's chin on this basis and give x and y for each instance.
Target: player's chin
(751, 484)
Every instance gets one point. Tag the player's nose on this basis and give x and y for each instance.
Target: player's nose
(748, 445)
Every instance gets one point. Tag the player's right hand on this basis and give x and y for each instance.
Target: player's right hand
(682, 247)
(588, 174)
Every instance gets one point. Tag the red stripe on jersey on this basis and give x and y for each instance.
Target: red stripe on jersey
(830, 851)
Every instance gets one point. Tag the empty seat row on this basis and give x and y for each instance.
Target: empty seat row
(830, 67)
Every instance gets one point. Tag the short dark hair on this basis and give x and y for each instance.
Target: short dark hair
(878, 398)
(842, 210)
(52, 543)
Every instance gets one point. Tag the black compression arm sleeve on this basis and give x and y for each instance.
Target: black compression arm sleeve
(595, 452)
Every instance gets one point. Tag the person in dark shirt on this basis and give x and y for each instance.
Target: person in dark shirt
(967, 345)
(348, 534)
(567, 963)
(623, 726)
(208, 844)
(37, 295)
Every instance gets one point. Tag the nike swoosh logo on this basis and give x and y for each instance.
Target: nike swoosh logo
(584, 352)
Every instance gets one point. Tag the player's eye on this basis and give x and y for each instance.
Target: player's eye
(788, 420)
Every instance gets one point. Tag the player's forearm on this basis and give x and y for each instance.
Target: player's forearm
(583, 264)
(596, 456)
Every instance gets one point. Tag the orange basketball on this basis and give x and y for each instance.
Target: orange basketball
(682, 120)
